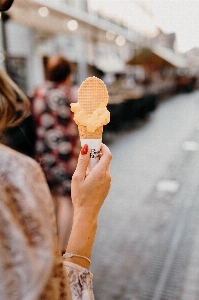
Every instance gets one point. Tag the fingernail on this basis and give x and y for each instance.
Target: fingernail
(84, 149)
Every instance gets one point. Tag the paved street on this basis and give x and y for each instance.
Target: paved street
(146, 245)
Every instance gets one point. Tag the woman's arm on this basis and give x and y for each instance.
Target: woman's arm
(88, 194)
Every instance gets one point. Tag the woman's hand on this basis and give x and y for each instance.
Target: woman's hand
(88, 194)
(90, 190)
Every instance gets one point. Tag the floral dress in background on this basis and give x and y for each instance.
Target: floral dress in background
(57, 141)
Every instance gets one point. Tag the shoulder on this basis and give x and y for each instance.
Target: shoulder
(17, 167)
(12, 157)
(25, 180)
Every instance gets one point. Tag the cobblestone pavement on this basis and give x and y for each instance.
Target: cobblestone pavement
(147, 243)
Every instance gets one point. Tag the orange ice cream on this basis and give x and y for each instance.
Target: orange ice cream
(99, 117)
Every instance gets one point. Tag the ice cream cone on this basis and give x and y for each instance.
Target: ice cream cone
(91, 114)
(84, 134)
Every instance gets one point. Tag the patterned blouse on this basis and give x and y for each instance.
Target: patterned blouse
(31, 266)
(57, 141)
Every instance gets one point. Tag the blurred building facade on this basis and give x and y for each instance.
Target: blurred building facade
(165, 40)
(93, 42)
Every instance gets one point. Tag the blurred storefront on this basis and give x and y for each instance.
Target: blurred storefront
(36, 29)
(138, 65)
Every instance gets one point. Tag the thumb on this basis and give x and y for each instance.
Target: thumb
(82, 163)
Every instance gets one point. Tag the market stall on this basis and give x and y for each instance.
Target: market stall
(131, 102)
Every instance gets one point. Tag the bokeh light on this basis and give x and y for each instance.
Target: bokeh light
(72, 25)
(43, 11)
(120, 40)
(110, 35)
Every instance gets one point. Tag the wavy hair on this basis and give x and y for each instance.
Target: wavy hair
(9, 106)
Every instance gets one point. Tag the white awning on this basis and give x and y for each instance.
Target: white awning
(90, 25)
(175, 59)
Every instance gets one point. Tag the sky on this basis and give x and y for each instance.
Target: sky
(179, 16)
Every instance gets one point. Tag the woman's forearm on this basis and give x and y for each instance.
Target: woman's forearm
(82, 237)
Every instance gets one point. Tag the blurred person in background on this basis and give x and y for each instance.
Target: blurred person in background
(31, 266)
(5, 4)
(57, 140)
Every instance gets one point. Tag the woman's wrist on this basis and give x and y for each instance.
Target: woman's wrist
(82, 237)
(70, 255)
(85, 213)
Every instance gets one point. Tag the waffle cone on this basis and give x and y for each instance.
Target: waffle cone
(92, 94)
(84, 134)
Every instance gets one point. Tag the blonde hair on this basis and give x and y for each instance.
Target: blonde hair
(8, 102)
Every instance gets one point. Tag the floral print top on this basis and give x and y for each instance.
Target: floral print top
(31, 266)
(57, 140)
